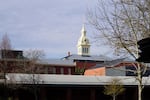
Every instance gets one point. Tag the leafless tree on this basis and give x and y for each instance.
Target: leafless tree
(5, 43)
(121, 26)
(34, 56)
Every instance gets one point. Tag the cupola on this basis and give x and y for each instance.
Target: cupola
(83, 43)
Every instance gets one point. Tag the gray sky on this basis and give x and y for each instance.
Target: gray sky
(49, 25)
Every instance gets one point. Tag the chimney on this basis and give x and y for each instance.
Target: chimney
(69, 53)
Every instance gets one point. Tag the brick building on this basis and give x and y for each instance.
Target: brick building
(85, 62)
(13, 61)
(118, 67)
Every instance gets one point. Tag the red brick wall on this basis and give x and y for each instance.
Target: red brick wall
(85, 65)
(97, 71)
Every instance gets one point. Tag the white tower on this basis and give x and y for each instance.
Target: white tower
(83, 44)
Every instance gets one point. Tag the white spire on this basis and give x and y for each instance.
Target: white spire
(83, 43)
(83, 31)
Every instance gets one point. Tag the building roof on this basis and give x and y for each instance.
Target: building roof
(70, 79)
(59, 62)
(88, 58)
(112, 63)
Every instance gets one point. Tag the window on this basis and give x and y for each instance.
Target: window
(87, 50)
(69, 71)
(54, 70)
(61, 70)
(83, 50)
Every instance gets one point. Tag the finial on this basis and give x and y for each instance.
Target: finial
(84, 22)
(83, 27)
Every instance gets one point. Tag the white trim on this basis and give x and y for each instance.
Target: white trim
(71, 79)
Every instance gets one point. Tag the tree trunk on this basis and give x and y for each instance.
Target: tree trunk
(114, 97)
(139, 78)
(139, 93)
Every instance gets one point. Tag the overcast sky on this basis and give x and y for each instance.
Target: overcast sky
(50, 25)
